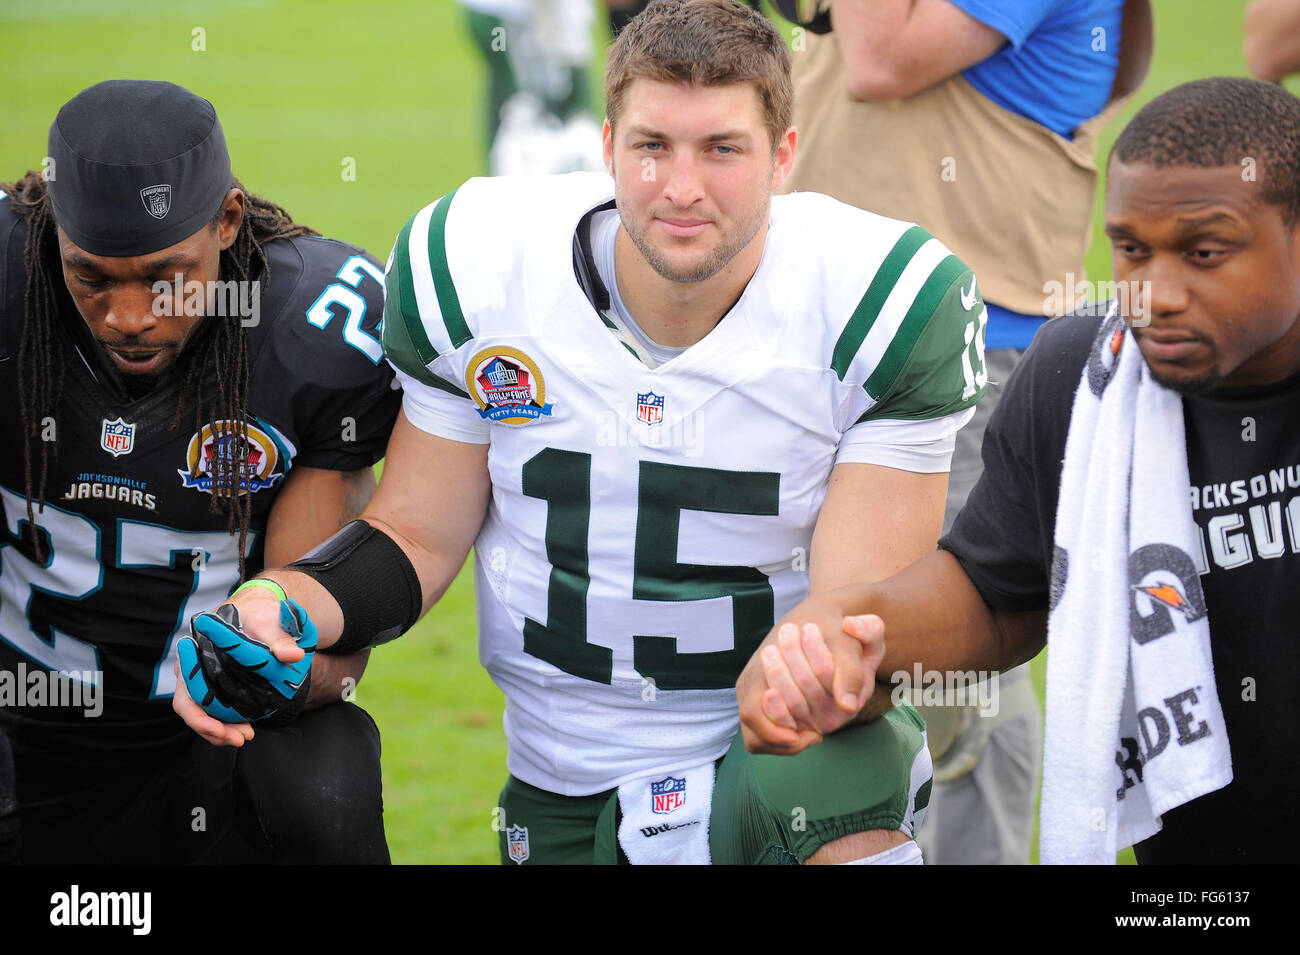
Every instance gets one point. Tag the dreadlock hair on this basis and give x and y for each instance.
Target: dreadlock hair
(1221, 121)
(216, 347)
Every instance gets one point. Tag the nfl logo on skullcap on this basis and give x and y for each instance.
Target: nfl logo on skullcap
(668, 794)
(517, 843)
(650, 407)
(117, 437)
(157, 199)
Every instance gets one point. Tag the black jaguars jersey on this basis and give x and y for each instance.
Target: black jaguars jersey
(133, 547)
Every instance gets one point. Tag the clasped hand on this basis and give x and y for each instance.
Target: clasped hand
(812, 675)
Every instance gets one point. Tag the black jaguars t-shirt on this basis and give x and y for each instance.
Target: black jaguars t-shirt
(1243, 450)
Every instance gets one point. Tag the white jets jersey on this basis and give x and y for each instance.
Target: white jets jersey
(647, 526)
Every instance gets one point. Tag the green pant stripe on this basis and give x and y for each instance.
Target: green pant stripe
(448, 300)
(868, 310)
(894, 360)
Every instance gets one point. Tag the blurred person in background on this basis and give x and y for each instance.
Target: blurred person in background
(539, 114)
(1272, 46)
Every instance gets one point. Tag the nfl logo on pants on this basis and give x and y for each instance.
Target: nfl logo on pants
(667, 795)
(517, 843)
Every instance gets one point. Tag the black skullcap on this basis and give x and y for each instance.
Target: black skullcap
(138, 165)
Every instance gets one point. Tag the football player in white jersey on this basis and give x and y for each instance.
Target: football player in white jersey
(663, 408)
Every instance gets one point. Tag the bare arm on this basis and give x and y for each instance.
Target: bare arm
(929, 612)
(313, 504)
(1272, 45)
(934, 616)
(894, 48)
(875, 520)
(431, 502)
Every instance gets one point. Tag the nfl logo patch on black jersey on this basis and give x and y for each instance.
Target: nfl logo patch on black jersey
(117, 437)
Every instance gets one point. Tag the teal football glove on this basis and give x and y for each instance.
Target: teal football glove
(235, 677)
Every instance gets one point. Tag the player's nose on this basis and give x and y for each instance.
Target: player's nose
(1162, 287)
(131, 312)
(683, 186)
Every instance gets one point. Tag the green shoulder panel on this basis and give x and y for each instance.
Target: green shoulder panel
(873, 300)
(406, 344)
(935, 364)
(448, 301)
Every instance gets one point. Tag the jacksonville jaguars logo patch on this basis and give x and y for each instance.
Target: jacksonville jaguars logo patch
(507, 386)
(259, 459)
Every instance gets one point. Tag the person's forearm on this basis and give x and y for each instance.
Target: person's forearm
(335, 678)
(435, 571)
(934, 616)
(321, 607)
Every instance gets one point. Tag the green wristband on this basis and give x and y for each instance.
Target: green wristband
(270, 585)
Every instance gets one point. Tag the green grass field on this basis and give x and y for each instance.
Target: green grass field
(301, 88)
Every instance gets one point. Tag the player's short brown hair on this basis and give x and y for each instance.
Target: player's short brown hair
(704, 43)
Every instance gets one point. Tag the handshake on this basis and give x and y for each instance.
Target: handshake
(235, 677)
(814, 674)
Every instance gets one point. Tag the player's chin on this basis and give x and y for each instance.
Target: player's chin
(687, 268)
(1192, 380)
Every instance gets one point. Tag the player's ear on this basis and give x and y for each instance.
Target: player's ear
(607, 145)
(232, 217)
(783, 158)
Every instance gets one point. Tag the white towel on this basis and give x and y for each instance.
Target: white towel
(1134, 726)
(666, 817)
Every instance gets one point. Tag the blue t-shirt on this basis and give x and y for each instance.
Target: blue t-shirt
(1057, 70)
(1060, 64)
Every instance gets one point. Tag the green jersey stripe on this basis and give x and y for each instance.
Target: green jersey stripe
(448, 300)
(398, 346)
(894, 360)
(868, 310)
(429, 378)
(408, 309)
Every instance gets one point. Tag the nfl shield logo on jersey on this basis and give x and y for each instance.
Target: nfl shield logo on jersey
(668, 794)
(650, 407)
(517, 843)
(117, 437)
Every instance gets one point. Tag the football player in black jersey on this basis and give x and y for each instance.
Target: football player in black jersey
(192, 385)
